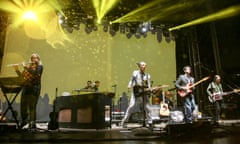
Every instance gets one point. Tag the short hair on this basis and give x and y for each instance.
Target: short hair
(141, 63)
(186, 67)
(217, 77)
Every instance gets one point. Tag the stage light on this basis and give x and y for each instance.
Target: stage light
(144, 27)
(166, 34)
(144, 35)
(95, 28)
(76, 27)
(159, 35)
(88, 29)
(99, 21)
(122, 28)
(29, 15)
(105, 28)
(129, 35)
(112, 32)
(138, 35)
(69, 29)
(103, 7)
(222, 14)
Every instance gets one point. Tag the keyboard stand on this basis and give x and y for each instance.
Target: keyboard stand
(15, 90)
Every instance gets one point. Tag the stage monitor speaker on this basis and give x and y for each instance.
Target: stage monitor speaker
(197, 128)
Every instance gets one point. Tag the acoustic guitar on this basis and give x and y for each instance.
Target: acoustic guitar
(188, 88)
(164, 110)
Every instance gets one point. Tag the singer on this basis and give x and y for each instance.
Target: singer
(31, 90)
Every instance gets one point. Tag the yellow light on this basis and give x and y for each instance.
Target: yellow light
(226, 13)
(29, 15)
(103, 7)
(99, 21)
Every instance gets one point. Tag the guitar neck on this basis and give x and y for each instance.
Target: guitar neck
(227, 93)
(197, 83)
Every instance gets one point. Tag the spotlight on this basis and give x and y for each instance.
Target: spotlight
(137, 35)
(76, 27)
(112, 32)
(144, 27)
(88, 29)
(144, 35)
(105, 28)
(95, 28)
(122, 28)
(129, 35)
(61, 18)
(69, 29)
(166, 34)
(76, 24)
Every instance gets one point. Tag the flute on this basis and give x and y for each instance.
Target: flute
(17, 64)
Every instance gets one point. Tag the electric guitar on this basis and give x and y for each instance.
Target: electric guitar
(188, 88)
(141, 90)
(218, 96)
(164, 110)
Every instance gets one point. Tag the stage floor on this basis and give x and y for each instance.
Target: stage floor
(200, 132)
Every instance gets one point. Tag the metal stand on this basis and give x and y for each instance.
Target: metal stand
(143, 95)
(11, 90)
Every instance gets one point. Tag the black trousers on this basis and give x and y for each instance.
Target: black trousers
(29, 99)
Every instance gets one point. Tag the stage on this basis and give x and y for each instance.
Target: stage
(201, 131)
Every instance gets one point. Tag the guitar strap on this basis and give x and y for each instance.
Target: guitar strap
(134, 79)
(218, 87)
(212, 88)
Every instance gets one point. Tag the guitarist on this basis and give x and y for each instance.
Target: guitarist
(140, 79)
(183, 82)
(215, 87)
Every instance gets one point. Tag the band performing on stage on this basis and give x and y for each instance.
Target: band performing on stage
(178, 107)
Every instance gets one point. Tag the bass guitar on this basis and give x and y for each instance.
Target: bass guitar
(218, 96)
(188, 88)
(141, 90)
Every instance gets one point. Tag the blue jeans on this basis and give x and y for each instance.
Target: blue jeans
(189, 106)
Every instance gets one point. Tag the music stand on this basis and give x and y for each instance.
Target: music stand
(10, 85)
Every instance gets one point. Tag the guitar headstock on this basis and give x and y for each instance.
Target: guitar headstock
(164, 86)
(236, 90)
(206, 78)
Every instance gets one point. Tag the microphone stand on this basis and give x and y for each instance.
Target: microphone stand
(112, 104)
